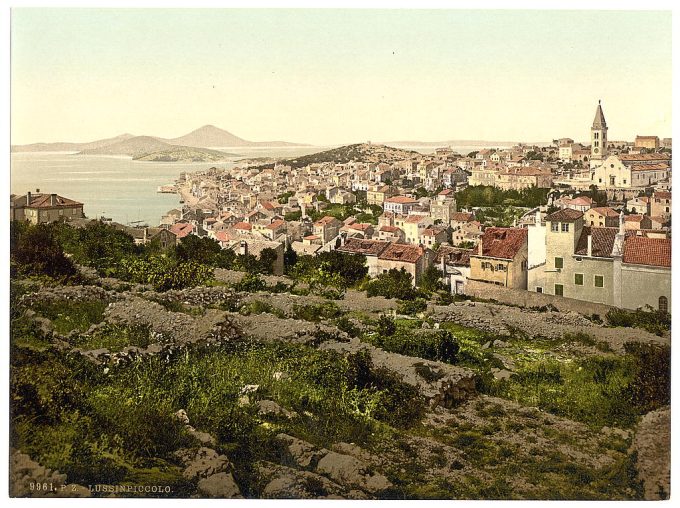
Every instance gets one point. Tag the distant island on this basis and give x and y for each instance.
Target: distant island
(196, 146)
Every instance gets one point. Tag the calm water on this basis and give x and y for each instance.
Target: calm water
(116, 187)
(123, 189)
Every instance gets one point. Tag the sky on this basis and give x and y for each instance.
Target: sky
(339, 76)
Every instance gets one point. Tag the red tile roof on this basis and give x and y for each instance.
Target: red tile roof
(365, 247)
(662, 195)
(276, 224)
(390, 229)
(401, 199)
(639, 250)
(402, 252)
(604, 210)
(564, 215)
(644, 157)
(462, 217)
(633, 218)
(181, 229)
(243, 225)
(503, 243)
(453, 256)
(328, 219)
(602, 241)
(44, 201)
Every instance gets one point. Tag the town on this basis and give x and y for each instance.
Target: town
(366, 322)
(582, 222)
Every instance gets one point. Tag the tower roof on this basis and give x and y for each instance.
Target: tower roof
(599, 122)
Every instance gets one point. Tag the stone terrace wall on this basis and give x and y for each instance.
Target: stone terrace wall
(525, 298)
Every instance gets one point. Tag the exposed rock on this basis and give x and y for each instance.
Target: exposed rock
(301, 453)
(269, 407)
(440, 383)
(350, 471)
(287, 483)
(203, 463)
(653, 445)
(219, 485)
(25, 472)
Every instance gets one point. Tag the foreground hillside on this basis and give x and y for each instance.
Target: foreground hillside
(264, 387)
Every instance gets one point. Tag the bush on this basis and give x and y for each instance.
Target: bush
(654, 321)
(34, 250)
(393, 284)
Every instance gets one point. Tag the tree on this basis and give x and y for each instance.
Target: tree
(199, 250)
(431, 280)
(393, 284)
(290, 258)
(34, 250)
(267, 259)
(350, 267)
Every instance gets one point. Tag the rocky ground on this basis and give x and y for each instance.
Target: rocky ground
(468, 445)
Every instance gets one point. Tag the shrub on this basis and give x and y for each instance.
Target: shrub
(654, 321)
(393, 284)
(34, 250)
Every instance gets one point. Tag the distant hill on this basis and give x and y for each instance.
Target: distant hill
(453, 142)
(361, 152)
(134, 147)
(210, 136)
(207, 136)
(70, 147)
(185, 154)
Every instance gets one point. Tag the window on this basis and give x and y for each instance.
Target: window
(600, 180)
(554, 227)
(599, 281)
(500, 267)
(559, 290)
(578, 279)
(597, 136)
(612, 180)
(565, 227)
(524, 266)
(539, 289)
(559, 263)
(663, 304)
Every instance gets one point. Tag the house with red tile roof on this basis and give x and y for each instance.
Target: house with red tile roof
(601, 216)
(38, 208)
(182, 229)
(413, 258)
(618, 266)
(399, 204)
(501, 257)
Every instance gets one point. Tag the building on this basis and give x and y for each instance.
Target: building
(391, 234)
(401, 205)
(650, 142)
(443, 207)
(606, 265)
(413, 258)
(371, 249)
(326, 228)
(376, 194)
(38, 208)
(631, 171)
(454, 263)
(598, 138)
(501, 257)
(413, 227)
(434, 235)
(581, 203)
(601, 216)
(660, 204)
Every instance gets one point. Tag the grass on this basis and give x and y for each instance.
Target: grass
(116, 337)
(67, 315)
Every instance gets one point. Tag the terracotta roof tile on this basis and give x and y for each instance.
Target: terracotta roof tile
(602, 241)
(503, 243)
(564, 215)
(453, 256)
(639, 250)
(402, 252)
(365, 247)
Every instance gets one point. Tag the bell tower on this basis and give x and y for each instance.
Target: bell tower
(598, 138)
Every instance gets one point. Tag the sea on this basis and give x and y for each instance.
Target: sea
(124, 190)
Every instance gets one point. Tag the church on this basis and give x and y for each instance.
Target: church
(623, 171)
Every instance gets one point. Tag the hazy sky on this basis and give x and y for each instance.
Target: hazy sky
(336, 76)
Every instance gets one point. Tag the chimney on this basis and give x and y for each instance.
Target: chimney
(304, 212)
(590, 245)
(538, 218)
(37, 191)
(243, 248)
(53, 199)
(621, 223)
(443, 264)
(28, 198)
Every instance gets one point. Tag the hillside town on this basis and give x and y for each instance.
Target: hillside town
(601, 227)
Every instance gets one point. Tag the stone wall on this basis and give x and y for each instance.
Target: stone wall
(532, 299)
